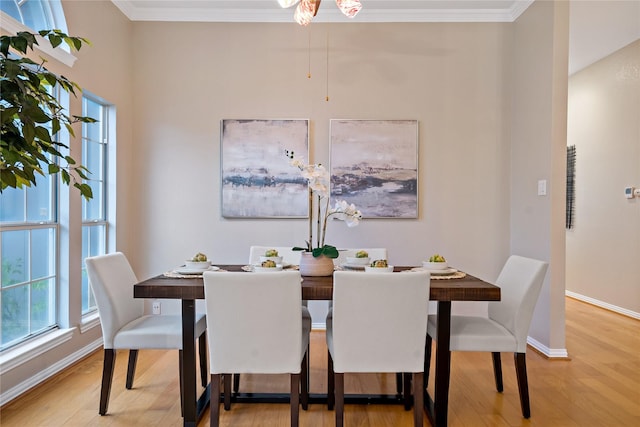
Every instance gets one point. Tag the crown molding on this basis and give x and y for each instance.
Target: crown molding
(269, 11)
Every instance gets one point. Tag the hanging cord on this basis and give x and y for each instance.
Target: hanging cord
(327, 95)
(309, 52)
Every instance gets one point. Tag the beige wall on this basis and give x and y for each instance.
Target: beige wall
(604, 247)
(104, 69)
(538, 153)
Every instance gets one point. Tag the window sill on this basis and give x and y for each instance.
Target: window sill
(13, 27)
(89, 322)
(33, 348)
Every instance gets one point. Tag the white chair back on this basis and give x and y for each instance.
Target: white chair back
(379, 321)
(254, 322)
(520, 282)
(112, 279)
(288, 255)
(374, 254)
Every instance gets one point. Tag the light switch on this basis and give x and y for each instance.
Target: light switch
(542, 187)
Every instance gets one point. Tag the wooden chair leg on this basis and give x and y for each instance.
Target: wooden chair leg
(214, 417)
(418, 397)
(427, 359)
(339, 399)
(107, 377)
(131, 368)
(227, 391)
(331, 388)
(523, 385)
(497, 370)
(304, 381)
(236, 382)
(181, 379)
(202, 349)
(407, 391)
(295, 399)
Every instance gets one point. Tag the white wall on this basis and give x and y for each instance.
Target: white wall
(603, 249)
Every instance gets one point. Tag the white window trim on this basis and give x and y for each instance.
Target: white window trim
(12, 26)
(89, 321)
(30, 349)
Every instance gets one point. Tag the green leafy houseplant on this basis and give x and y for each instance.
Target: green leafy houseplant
(32, 117)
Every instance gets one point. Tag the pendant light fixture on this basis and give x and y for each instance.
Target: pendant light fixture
(307, 9)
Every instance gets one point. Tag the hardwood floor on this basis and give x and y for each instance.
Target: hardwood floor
(599, 386)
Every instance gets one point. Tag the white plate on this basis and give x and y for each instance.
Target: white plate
(353, 266)
(185, 270)
(259, 269)
(388, 269)
(442, 272)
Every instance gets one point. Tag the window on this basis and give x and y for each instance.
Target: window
(36, 14)
(94, 212)
(28, 252)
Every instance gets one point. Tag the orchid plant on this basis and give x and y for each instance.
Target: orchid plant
(318, 179)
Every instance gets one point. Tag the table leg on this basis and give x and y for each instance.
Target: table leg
(189, 362)
(443, 364)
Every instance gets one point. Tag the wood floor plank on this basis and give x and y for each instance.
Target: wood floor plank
(598, 386)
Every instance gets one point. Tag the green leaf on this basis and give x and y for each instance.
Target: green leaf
(85, 190)
(65, 176)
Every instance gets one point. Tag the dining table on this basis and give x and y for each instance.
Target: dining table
(444, 291)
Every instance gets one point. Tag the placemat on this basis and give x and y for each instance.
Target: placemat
(456, 275)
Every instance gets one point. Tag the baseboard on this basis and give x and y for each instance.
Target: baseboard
(602, 304)
(549, 353)
(319, 326)
(47, 373)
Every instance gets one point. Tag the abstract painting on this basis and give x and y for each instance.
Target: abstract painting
(257, 180)
(374, 164)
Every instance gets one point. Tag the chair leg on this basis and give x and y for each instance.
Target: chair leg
(331, 388)
(523, 385)
(236, 382)
(295, 399)
(131, 368)
(227, 391)
(107, 377)
(418, 397)
(398, 383)
(427, 359)
(202, 349)
(214, 417)
(407, 391)
(181, 378)
(304, 382)
(339, 398)
(497, 370)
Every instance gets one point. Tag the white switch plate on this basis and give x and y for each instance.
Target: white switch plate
(155, 307)
(542, 187)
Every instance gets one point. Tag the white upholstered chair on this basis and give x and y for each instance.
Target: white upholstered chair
(377, 325)
(506, 327)
(256, 327)
(124, 324)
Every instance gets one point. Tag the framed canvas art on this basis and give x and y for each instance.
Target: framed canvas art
(374, 164)
(257, 180)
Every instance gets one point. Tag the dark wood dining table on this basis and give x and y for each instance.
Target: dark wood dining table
(444, 291)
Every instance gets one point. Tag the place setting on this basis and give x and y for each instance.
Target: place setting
(269, 262)
(438, 267)
(193, 268)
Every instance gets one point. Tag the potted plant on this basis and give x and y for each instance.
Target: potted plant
(31, 116)
(317, 260)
